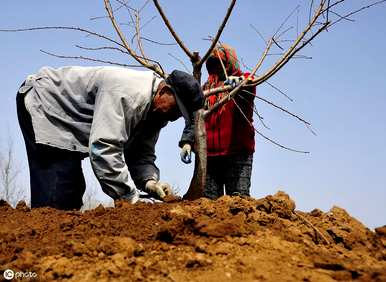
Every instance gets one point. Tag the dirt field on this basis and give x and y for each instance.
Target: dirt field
(231, 239)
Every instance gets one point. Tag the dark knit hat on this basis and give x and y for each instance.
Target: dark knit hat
(188, 93)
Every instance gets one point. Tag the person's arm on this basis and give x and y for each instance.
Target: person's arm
(110, 130)
(140, 156)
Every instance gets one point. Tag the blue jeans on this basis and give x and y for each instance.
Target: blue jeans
(56, 177)
(230, 173)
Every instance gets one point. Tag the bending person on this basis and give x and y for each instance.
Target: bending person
(111, 114)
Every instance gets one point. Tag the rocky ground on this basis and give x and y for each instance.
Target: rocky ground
(231, 239)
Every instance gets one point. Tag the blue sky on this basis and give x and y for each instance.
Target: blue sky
(341, 91)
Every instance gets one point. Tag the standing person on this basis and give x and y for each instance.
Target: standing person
(111, 114)
(230, 134)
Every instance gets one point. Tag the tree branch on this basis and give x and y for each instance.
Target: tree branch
(294, 48)
(138, 35)
(265, 137)
(219, 32)
(89, 32)
(280, 91)
(142, 61)
(356, 11)
(180, 61)
(174, 34)
(102, 48)
(156, 42)
(254, 108)
(282, 109)
(229, 96)
(90, 59)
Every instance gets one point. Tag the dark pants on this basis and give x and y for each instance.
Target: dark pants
(56, 177)
(232, 173)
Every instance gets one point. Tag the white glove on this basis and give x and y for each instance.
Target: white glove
(157, 188)
(233, 80)
(186, 153)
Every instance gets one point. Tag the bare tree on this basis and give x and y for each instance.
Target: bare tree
(323, 15)
(10, 170)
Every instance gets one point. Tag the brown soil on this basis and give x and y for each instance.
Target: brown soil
(231, 239)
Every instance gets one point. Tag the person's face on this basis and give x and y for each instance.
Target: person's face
(214, 66)
(165, 104)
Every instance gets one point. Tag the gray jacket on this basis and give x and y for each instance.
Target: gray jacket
(102, 112)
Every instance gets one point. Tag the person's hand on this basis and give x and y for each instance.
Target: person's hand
(233, 80)
(132, 196)
(186, 153)
(158, 188)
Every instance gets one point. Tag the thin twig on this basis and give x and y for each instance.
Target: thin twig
(342, 17)
(105, 17)
(262, 58)
(267, 138)
(143, 6)
(254, 108)
(270, 84)
(356, 11)
(180, 61)
(293, 49)
(234, 91)
(259, 33)
(124, 4)
(330, 6)
(231, 55)
(148, 22)
(310, 11)
(101, 48)
(284, 32)
(130, 11)
(245, 65)
(328, 11)
(307, 222)
(157, 42)
(282, 109)
(280, 91)
(285, 21)
(89, 32)
(90, 59)
(293, 57)
(142, 61)
(274, 41)
(115, 49)
(138, 35)
(144, 25)
(222, 65)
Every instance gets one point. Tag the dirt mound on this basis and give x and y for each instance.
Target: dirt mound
(230, 239)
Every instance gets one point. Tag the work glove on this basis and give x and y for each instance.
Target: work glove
(132, 196)
(233, 80)
(186, 153)
(158, 189)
